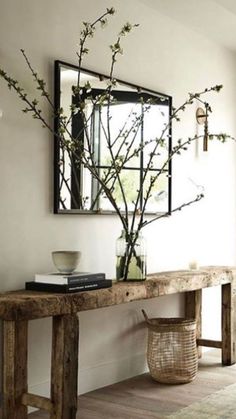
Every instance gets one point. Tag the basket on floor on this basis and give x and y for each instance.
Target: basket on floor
(172, 350)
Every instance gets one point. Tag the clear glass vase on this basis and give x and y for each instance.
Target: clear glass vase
(131, 257)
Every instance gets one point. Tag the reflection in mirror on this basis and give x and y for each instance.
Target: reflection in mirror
(137, 117)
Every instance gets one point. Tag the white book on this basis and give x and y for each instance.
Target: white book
(68, 279)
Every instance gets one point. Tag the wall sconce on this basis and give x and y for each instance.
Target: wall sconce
(202, 119)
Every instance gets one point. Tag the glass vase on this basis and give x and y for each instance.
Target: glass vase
(131, 257)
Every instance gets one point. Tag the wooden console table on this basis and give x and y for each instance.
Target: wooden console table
(17, 308)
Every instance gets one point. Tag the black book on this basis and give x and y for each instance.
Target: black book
(82, 286)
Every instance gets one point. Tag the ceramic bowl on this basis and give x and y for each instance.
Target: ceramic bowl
(66, 261)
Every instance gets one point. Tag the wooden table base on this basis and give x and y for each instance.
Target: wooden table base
(17, 308)
(64, 370)
(193, 309)
(15, 341)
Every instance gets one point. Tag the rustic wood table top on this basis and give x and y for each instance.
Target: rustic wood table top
(28, 305)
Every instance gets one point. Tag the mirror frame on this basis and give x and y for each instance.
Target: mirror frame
(57, 100)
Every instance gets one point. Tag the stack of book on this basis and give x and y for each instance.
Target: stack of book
(64, 283)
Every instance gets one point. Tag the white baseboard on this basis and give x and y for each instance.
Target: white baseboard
(100, 375)
(41, 389)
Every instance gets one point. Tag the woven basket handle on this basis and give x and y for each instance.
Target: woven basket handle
(145, 315)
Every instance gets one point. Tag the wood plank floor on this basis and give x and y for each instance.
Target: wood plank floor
(141, 397)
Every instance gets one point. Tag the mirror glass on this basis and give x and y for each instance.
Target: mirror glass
(76, 190)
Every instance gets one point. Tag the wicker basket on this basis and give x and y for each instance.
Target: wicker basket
(172, 350)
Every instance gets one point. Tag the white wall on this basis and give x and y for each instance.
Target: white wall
(161, 55)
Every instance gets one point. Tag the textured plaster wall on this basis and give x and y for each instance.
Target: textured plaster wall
(161, 55)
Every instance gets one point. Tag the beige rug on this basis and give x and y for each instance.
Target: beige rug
(220, 405)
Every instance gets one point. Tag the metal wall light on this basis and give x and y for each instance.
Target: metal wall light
(202, 119)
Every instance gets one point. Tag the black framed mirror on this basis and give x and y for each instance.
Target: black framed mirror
(75, 189)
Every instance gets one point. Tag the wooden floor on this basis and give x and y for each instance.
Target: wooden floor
(141, 397)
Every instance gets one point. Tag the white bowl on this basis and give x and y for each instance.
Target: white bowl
(66, 261)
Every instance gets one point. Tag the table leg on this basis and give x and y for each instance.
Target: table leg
(228, 323)
(64, 368)
(15, 334)
(193, 310)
